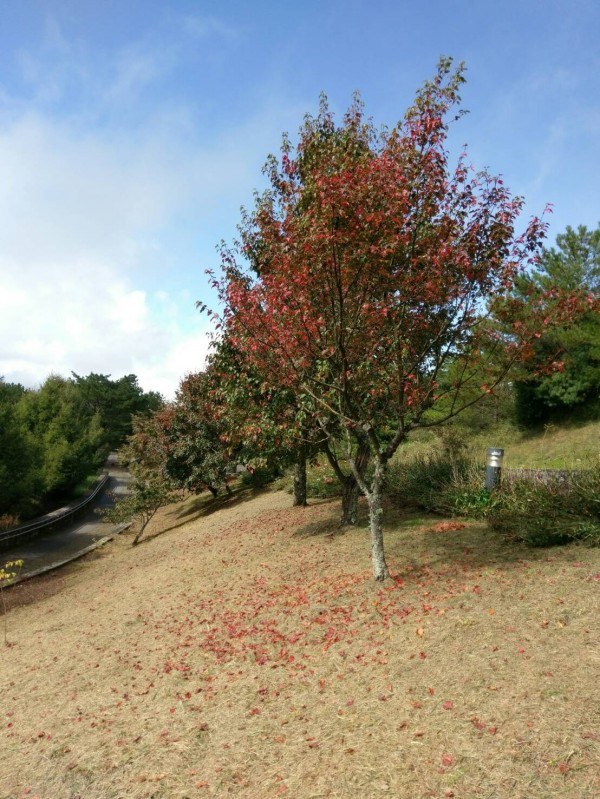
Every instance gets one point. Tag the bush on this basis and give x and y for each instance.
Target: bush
(260, 476)
(469, 500)
(548, 513)
(538, 512)
(439, 482)
(321, 481)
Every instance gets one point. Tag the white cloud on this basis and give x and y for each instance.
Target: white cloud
(78, 220)
(92, 206)
(184, 356)
(129, 310)
(104, 326)
(62, 192)
(85, 279)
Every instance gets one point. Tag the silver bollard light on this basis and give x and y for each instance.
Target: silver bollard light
(493, 467)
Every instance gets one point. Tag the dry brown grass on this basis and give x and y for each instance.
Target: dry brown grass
(248, 653)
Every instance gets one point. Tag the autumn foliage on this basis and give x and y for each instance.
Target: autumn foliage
(374, 280)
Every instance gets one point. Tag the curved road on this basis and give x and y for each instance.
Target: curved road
(50, 550)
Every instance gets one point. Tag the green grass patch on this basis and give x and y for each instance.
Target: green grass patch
(568, 446)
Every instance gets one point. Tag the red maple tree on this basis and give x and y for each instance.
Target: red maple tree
(367, 276)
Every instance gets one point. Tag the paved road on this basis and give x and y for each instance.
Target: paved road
(50, 550)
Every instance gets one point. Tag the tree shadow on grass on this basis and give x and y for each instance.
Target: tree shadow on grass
(331, 526)
(205, 504)
(418, 540)
(324, 527)
(473, 547)
(202, 506)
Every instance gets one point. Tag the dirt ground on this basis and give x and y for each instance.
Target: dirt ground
(244, 650)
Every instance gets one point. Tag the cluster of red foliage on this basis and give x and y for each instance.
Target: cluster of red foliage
(380, 279)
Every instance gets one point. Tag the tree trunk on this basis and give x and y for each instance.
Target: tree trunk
(375, 500)
(300, 479)
(350, 492)
(350, 486)
(144, 519)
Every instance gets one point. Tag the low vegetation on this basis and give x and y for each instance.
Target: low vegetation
(535, 503)
(444, 473)
(548, 511)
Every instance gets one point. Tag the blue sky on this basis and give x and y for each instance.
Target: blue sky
(131, 133)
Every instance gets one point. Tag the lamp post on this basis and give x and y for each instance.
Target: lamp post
(493, 467)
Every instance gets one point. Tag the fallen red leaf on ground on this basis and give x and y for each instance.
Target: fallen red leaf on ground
(446, 527)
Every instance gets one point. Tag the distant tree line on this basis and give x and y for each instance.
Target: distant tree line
(54, 437)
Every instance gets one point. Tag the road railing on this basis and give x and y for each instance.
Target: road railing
(49, 520)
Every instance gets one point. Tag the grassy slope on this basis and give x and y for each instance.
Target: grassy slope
(566, 447)
(555, 447)
(246, 652)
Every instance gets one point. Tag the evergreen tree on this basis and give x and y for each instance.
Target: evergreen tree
(20, 473)
(574, 388)
(115, 402)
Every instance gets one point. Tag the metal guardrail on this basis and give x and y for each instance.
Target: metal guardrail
(52, 518)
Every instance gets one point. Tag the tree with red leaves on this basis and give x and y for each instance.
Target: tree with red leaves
(367, 277)
(176, 449)
(151, 488)
(257, 418)
(269, 426)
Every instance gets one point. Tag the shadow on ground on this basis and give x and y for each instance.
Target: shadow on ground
(408, 532)
(329, 526)
(474, 547)
(205, 504)
(202, 506)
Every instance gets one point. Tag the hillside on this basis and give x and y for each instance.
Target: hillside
(556, 447)
(567, 446)
(244, 650)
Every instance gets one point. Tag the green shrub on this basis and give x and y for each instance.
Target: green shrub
(439, 482)
(322, 484)
(260, 476)
(471, 501)
(547, 513)
(538, 512)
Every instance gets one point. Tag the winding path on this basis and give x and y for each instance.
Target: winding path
(54, 549)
